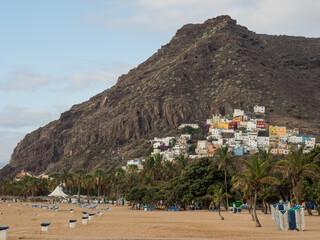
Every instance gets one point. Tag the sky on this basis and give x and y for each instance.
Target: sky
(54, 54)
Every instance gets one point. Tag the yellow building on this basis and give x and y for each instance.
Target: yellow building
(224, 125)
(275, 131)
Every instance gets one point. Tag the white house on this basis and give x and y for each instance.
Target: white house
(310, 143)
(252, 144)
(168, 155)
(238, 112)
(176, 150)
(161, 141)
(284, 138)
(202, 147)
(215, 133)
(136, 162)
(218, 141)
(259, 109)
(263, 142)
(294, 131)
(294, 139)
(251, 125)
(193, 125)
(238, 135)
(216, 118)
(185, 136)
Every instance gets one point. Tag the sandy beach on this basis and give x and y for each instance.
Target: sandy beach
(121, 223)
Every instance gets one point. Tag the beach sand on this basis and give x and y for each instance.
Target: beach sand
(121, 223)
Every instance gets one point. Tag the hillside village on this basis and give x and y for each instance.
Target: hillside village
(243, 134)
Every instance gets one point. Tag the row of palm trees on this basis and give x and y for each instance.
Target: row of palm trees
(258, 172)
(252, 179)
(116, 184)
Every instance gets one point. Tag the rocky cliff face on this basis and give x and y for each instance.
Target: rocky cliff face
(205, 69)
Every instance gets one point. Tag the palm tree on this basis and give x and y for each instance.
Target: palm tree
(32, 185)
(106, 185)
(218, 196)
(67, 179)
(168, 171)
(265, 155)
(129, 181)
(78, 177)
(116, 178)
(247, 190)
(181, 162)
(98, 178)
(55, 180)
(255, 176)
(296, 166)
(88, 184)
(149, 167)
(8, 185)
(224, 160)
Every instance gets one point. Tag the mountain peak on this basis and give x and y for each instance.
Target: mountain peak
(224, 19)
(206, 69)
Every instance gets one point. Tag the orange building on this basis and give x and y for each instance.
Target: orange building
(212, 150)
(237, 119)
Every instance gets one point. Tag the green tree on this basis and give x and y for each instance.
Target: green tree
(88, 184)
(296, 166)
(98, 178)
(67, 179)
(168, 171)
(129, 181)
(218, 196)
(136, 194)
(181, 162)
(224, 160)
(78, 177)
(255, 176)
(106, 185)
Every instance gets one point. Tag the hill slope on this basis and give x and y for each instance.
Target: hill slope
(206, 68)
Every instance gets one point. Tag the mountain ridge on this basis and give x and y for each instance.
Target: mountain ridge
(205, 69)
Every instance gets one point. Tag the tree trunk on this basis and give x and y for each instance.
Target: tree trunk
(265, 208)
(296, 196)
(252, 214)
(218, 206)
(255, 209)
(251, 206)
(104, 195)
(295, 190)
(98, 194)
(79, 188)
(226, 186)
(69, 194)
(88, 192)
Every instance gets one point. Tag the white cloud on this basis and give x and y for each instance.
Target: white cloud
(106, 76)
(22, 79)
(15, 123)
(292, 17)
(18, 117)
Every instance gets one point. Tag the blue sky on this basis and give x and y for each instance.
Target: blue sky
(58, 53)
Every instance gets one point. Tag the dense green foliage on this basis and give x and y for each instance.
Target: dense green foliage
(161, 183)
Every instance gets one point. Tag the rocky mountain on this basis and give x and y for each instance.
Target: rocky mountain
(205, 69)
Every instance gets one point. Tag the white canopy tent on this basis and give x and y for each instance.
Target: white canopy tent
(58, 192)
